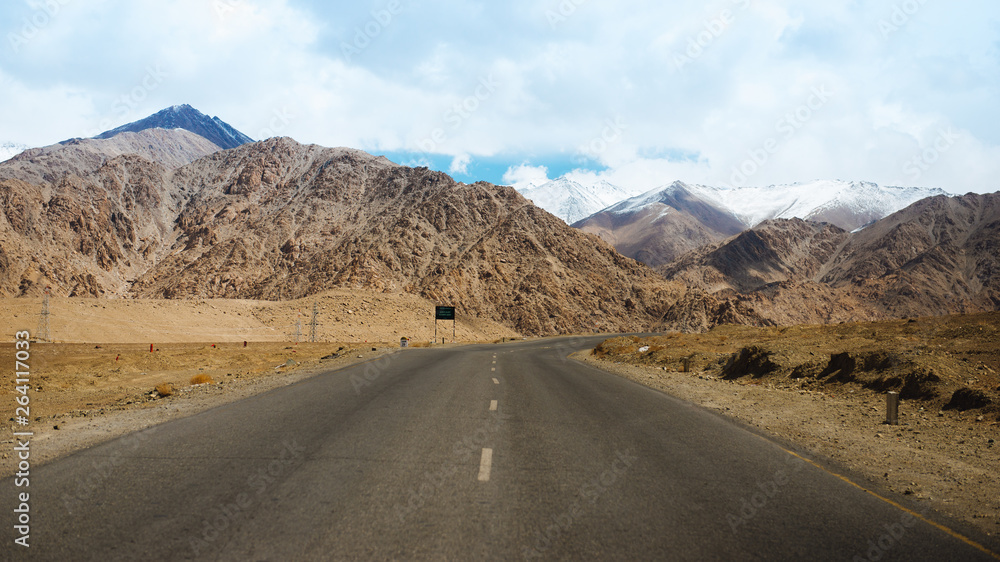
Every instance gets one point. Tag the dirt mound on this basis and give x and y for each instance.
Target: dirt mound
(754, 361)
(968, 399)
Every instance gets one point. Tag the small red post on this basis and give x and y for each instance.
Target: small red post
(244, 343)
(150, 348)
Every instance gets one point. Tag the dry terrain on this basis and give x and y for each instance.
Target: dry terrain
(343, 315)
(822, 387)
(278, 220)
(938, 256)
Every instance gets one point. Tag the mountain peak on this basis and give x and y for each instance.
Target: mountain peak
(572, 201)
(188, 118)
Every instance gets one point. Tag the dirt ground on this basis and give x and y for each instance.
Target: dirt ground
(342, 315)
(823, 388)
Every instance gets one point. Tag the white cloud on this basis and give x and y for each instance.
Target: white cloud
(419, 82)
(524, 176)
(460, 164)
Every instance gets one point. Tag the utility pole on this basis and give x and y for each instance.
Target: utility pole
(42, 333)
(298, 327)
(314, 323)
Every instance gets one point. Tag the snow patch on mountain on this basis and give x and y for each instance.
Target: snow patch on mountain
(9, 150)
(847, 204)
(572, 201)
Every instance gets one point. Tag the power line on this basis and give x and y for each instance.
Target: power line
(42, 333)
(314, 322)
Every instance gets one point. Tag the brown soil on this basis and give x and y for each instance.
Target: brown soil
(823, 387)
(343, 315)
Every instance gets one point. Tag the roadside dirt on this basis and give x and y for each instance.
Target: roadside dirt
(823, 388)
(342, 315)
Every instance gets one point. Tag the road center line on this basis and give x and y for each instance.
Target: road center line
(495, 381)
(493, 405)
(493, 368)
(484, 465)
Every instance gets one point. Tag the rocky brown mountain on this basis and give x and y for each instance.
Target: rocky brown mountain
(937, 256)
(165, 213)
(169, 148)
(656, 231)
(277, 220)
(660, 225)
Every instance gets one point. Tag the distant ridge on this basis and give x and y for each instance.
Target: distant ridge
(660, 225)
(187, 118)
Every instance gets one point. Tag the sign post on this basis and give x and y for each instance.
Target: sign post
(444, 313)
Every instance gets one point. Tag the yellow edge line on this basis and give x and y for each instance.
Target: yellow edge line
(939, 526)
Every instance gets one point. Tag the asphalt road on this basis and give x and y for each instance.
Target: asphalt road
(483, 452)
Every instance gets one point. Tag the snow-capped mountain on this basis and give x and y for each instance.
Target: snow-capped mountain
(849, 205)
(659, 225)
(9, 150)
(572, 201)
(190, 119)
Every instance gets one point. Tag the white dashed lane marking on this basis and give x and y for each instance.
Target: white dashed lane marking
(484, 465)
(495, 381)
(493, 405)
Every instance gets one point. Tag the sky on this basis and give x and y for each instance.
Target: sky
(637, 93)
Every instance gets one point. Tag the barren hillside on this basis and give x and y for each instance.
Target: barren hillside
(280, 220)
(938, 256)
